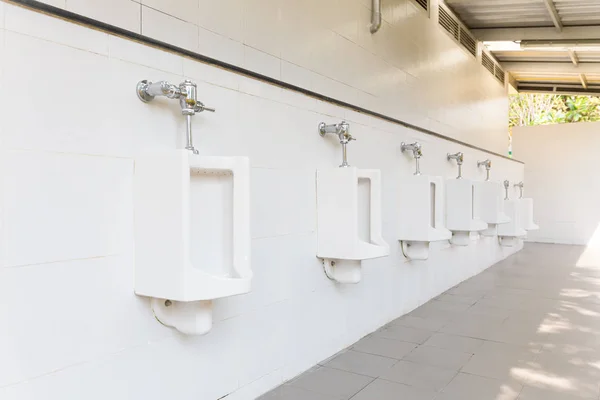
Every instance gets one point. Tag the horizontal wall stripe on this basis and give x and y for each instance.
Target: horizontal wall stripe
(114, 30)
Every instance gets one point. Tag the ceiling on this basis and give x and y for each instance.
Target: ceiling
(545, 45)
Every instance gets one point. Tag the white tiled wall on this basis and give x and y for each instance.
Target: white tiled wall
(410, 70)
(561, 168)
(70, 127)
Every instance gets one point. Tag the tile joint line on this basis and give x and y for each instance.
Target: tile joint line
(108, 28)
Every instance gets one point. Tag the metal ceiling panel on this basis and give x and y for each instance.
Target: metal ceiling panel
(523, 14)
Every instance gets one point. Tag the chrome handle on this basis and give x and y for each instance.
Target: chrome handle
(201, 107)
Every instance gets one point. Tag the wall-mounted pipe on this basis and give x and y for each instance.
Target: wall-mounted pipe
(375, 15)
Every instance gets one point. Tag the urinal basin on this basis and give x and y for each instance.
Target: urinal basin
(514, 228)
(488, 202)
(421, 209)
(337, 215)
(338, 240)
(184, 202)
(460, 216)
(527, 214)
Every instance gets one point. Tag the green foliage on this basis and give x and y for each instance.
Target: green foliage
(540, 109)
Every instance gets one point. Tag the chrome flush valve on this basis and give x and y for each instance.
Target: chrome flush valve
(520, 185)
(459, 157)
(417, 153)
(488, 165)
(506, 185)
(342, 130)
(185, 92)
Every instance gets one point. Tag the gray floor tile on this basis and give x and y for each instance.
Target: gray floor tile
(534, 323)
(332, 382)
(427, 324)
(529, 393)
(403, 333)
(385, 390)
(288, 392)
(420, 375)
(454, 342)
(458, 298)
(384, 347)
(362, 363)
(501, 361)
(471, 387)
(437, 357)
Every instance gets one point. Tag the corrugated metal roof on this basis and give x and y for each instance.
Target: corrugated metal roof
(578, 12)
(557, 15)
(524, 13)
(501, 13)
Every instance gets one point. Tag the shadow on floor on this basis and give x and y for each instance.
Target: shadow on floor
(528, 328)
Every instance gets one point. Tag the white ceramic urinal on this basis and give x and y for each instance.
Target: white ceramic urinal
(460, 213)
(421, 208)
(510, 233)
(339, 244)
(527, 214)
(488, 206)
(192, 234)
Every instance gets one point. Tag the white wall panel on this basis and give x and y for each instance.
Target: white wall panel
(561, 165)
(71, 127)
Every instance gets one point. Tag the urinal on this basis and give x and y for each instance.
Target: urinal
(460, 213)
(526, 210)
(421, 210)
(527, 213)
(192, 234)
(338, 242)
(488, 203)
(510, 233)
(488, 206)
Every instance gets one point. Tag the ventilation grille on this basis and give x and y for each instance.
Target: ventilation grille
(448, 23)
(468, 42)
(499, 74)
(423, 3)
(487, 62)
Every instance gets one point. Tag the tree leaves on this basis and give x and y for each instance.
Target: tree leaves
(541, 109)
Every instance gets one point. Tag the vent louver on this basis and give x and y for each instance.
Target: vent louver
(448, 23)
(423, 3)
(487, 62)
(468, 42)
(499, 74)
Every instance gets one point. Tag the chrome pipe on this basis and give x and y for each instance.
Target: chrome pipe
(147, 90)
(375, 15)
(520, 185)
(506, 185)
(459, 157)
(417, 153)
(186, 92)
(342, 130)
(188, 125)
(344, 156)
(488, 165)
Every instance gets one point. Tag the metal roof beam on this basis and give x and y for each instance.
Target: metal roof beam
(543, 33)
(553, 14)
(574, 58)
(583, 81)
(551, 67)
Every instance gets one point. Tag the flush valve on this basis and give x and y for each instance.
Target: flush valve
(186, 92)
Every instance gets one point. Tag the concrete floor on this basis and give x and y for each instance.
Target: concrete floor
(527, 328)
